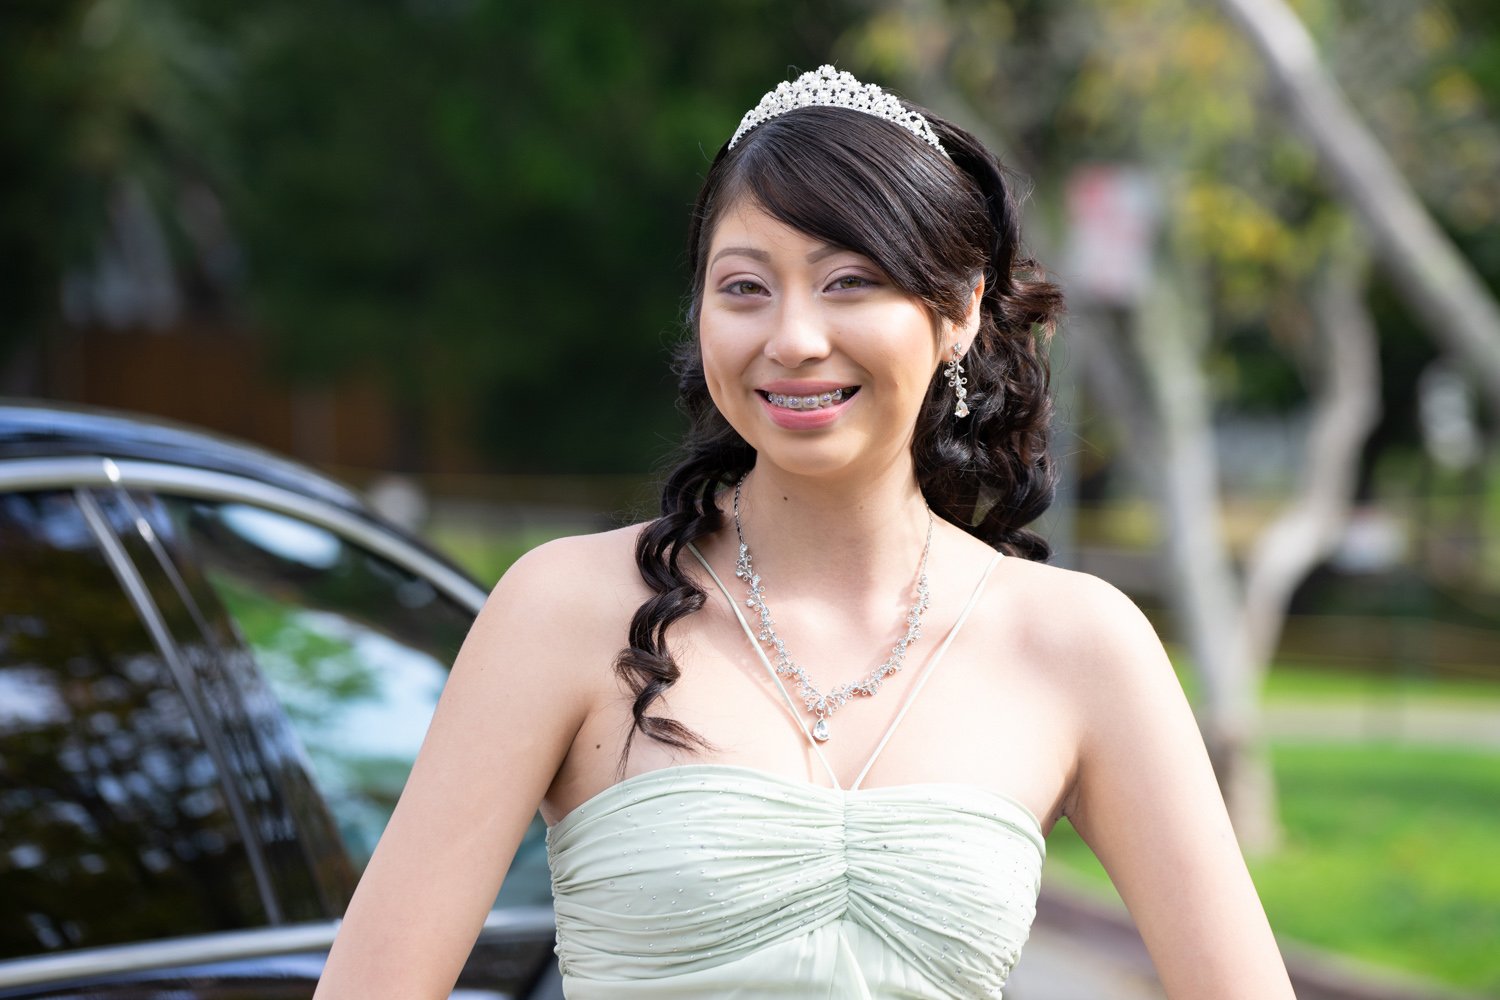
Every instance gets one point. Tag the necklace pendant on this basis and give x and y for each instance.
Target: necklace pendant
(817, 703)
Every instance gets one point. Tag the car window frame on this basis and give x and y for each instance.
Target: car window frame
(297, 799)
(139, 474)
(149, 612)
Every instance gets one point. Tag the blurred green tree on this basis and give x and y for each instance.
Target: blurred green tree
(482, 201)
(486, 200)
(106, 103)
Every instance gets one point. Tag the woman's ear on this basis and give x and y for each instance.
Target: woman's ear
(968, 329)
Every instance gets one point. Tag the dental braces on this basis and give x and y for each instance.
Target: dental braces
(806, 402)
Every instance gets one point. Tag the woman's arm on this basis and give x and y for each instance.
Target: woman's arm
(1146, 800)
(512, 704)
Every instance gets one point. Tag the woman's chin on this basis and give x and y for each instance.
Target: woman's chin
(842, 460)
(839, 449)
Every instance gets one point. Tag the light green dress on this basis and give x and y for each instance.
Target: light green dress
(712, 880)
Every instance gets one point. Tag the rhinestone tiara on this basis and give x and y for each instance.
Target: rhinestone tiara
(830, 88)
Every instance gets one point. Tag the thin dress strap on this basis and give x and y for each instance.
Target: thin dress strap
(755, 644)
(916, 688)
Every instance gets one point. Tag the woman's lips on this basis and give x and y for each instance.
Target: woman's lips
(806, 410)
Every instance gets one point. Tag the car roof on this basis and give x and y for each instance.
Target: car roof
(33, 428)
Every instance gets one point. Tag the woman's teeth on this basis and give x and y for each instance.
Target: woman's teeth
(809, 402)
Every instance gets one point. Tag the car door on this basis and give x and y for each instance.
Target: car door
(119, 820)
(303, 661)
(352, 629)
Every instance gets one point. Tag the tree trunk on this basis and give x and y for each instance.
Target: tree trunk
(1200, 586)
(1346, 406)
(1438, 284)
(1168, 335)
(1156, 391)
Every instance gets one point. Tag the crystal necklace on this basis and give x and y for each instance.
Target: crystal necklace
(824, 705)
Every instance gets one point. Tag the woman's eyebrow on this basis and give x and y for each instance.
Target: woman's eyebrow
(826, 250)
(750, 252)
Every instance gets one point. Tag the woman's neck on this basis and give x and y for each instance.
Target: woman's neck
(869, 529)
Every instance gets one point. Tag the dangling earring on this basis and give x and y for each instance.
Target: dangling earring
(956, 381)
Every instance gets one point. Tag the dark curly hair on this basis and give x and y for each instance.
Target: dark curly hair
(933, 224)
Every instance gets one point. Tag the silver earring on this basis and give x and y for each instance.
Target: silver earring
(956, 381)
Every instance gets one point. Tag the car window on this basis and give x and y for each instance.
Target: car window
(306, 869)
(356, 648)
(113, 823)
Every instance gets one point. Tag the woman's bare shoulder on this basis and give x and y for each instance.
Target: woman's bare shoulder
(583, 572)
(1043, 584)
(566, 606)
(1100, 656)
(1086, 629)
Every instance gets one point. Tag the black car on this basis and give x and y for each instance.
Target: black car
(216, 667)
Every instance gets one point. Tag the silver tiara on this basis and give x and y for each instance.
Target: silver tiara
(829, 88)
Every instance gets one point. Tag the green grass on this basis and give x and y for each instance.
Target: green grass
(486, 554)
(1289, 682)
(1389, 856)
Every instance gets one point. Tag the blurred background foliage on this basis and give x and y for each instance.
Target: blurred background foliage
(486, 201)
(480, 200)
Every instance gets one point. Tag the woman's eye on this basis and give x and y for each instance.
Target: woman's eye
(743, 287)
(847, 281)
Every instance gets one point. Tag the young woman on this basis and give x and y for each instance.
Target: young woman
(804, 734)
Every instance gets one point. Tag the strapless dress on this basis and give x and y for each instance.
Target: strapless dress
(719, 881)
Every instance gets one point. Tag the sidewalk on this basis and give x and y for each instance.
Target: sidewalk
(1395, 720)
(1084, 948)
(1069, 959)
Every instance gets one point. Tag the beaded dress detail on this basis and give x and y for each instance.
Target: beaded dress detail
(713, 880)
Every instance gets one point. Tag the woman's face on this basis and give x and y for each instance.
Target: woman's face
(810, 352)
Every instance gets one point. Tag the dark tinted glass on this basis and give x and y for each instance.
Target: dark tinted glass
(306, 869)
(113, 823)
(356, 647)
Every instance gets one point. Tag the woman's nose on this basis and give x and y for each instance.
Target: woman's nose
(799, 335)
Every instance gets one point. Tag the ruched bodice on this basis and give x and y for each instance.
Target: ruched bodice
(716, 881)
(713, 880)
